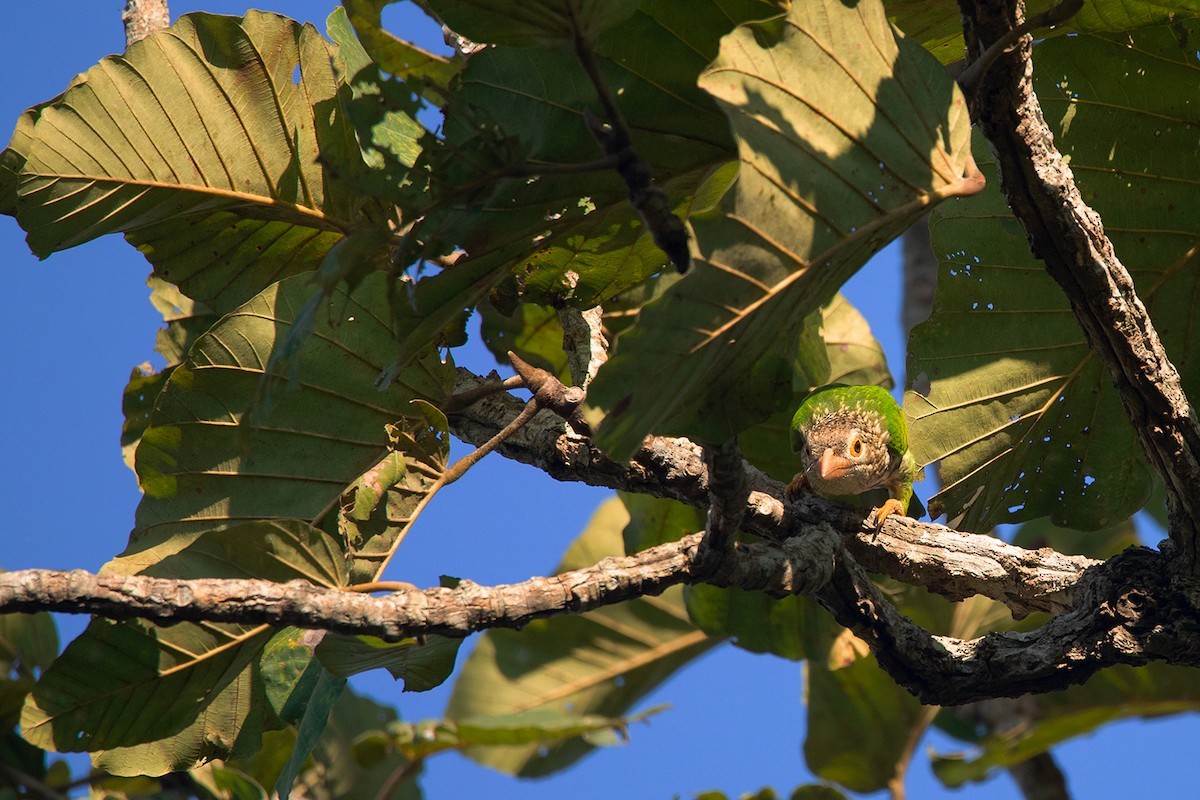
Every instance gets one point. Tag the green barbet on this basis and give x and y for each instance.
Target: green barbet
(852, 439)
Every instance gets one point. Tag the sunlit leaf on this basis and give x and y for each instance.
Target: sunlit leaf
(1023, 417)
(532, 22)
(420, 665)
(339, 767)
(525, 107)
(881, 135)
(206, 463)
(394, 55)
(936, 24)
(225, 182)
(542, 727)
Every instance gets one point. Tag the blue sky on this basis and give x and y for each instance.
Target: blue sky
(72, 328)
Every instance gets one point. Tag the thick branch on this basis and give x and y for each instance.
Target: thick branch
(1069, 237)
(1131, 612)
(799, 566)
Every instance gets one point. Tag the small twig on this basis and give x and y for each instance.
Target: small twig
(464, 400)
(460, 467)
(970, 77)
(529, 169)
(550, 393)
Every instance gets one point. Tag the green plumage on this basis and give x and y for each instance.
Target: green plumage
(851, 440)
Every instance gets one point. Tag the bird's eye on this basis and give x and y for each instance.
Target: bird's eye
(856, 447)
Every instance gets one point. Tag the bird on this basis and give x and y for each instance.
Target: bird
(852, 439)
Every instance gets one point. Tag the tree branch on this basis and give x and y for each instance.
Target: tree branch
(800, 566)
(953, 563)
(1069, 237)
(1131, 612)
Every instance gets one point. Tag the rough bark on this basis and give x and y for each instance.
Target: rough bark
(1068, 236)
(144, 17)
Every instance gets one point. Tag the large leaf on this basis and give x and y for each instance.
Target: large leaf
(421, 665)
(225, 177)
(530, 22)
(541, 727)
(1023, 417)
(28, 644)
(599, 663)
(516, 106)
(340, 767)
(394, 55)
(936, 24)
(205, 462)
(165, 698)
(832, 167)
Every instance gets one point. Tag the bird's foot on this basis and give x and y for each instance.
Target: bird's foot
(797, 487)
(878, 515)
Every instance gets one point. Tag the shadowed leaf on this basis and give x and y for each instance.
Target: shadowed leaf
(879, 132)
(219, 181)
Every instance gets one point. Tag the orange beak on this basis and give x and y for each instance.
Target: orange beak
(832, 465)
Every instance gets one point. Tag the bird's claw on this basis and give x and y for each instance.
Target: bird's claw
(878, 515)
(797, 486)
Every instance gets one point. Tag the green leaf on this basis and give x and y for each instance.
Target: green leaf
(1103, 543)
(880, 134)
(599, 663)
(340, 766)
(383, 503)
(126, 683)
(532, 22)
(755, 621)
(400, 58)
(525, 107)
(223, 182)
(205, 463)
(235, 785)
(1023, 417)
(936, 25)
(421, 665)
(540, 728)
(164, 699)
(657, 520)
(1115, 693)
(28, 644)
(319, 701)
(861, 723)
(858, 719)
(532, 331)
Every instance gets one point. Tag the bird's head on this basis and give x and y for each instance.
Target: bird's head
(846, 452)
